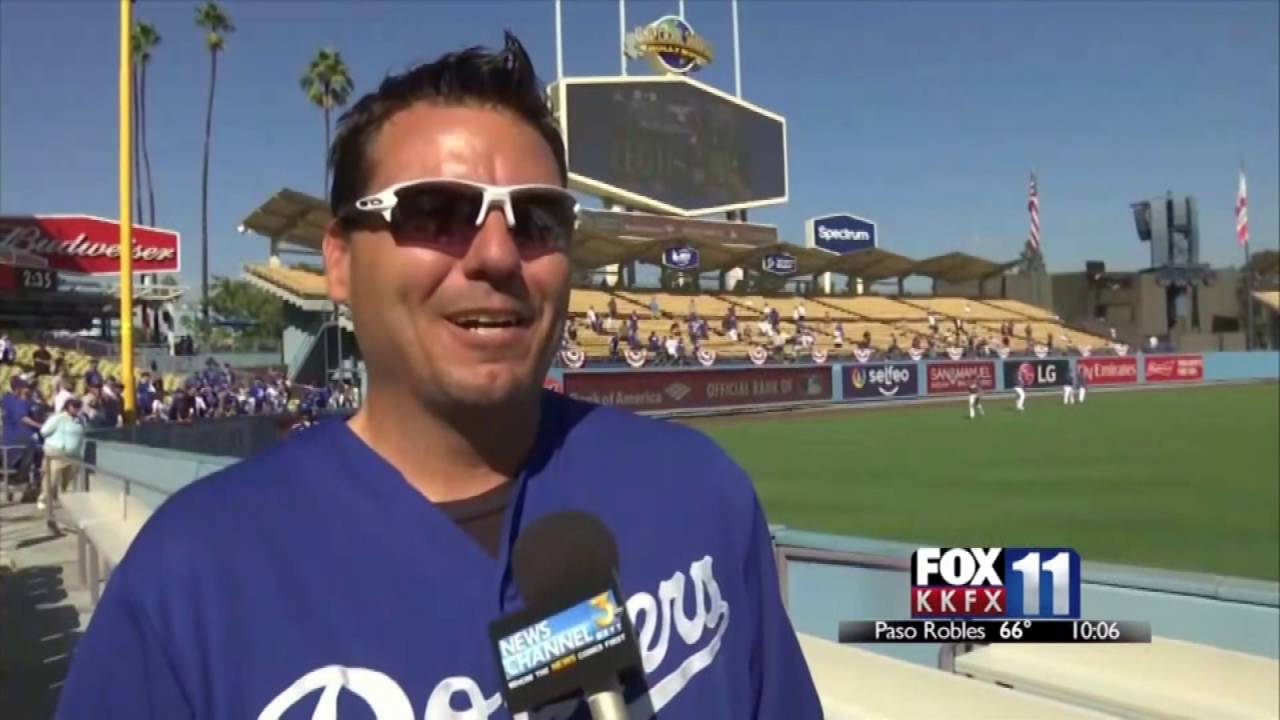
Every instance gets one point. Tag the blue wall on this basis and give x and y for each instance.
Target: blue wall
(1241, 365)
(1231, 613)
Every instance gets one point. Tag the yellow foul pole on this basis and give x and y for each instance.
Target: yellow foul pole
(126, 219)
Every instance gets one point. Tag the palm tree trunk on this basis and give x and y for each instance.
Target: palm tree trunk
(136, 131)
(146, 156)
(324, 189)
(204, 195)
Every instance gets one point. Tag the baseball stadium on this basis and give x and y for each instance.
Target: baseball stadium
(880, 403)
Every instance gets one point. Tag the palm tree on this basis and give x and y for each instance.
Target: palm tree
(217, 25)
(327, 84)
(145, 39)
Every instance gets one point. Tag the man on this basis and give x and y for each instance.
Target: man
(359, 563)
(1081, 384)
(1020, 388)
(1069, 389)
(42, 360)
(975, 400)
(63, 434)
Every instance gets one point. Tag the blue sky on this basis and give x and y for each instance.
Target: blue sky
(925, 117)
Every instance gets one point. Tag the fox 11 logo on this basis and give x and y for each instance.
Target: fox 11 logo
(973, 583)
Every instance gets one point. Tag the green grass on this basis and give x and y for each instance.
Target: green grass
(1185, 479)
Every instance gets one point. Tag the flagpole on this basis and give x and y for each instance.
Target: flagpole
(1248, 282)
(126, 219)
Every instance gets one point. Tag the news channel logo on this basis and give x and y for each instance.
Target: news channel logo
(552, 643)
(840, 233)
(681, 258)
(778, 263)
(993, 582)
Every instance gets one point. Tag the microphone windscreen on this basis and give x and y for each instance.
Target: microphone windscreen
(563, 553)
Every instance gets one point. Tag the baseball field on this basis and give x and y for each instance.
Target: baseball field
(1185, 479)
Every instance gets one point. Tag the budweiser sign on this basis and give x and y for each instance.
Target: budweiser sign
(1174, 368)
(89, 245)
(1108, 370)
(955, 377)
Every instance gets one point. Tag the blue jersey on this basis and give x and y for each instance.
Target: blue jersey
(314, 581)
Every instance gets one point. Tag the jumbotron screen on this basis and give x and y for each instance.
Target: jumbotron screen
(672, 145)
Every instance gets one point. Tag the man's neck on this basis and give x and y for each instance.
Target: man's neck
(444, 456)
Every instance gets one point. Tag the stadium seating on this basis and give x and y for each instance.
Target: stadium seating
(1166, 678)
(76, 364)
(855, 683)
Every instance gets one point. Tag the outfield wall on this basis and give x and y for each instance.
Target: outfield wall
(666, 389)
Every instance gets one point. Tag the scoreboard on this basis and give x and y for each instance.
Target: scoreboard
(27, 279)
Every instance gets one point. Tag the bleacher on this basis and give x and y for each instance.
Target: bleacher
(882, 318)
(76, 363)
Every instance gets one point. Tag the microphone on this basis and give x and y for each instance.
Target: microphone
(574, 635)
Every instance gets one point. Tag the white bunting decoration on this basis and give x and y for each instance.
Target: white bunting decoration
(1085, 351)
(1041, 351)
(819, 356)
(758, 355)
(573, 357)
(706, 357)
(862, 354)
(635, 358)
(955, 353)
(1120, 348)
(1002, 351)
(915, 353)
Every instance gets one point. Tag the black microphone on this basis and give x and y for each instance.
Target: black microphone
(574, 635)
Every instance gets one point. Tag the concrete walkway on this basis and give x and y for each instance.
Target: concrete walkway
(43, 611)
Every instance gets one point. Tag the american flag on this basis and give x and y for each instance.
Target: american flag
(1033, 207)
(1242, 213)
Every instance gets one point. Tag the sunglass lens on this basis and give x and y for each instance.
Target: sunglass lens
(544, 219)
(438, 214)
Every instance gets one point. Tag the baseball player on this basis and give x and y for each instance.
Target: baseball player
(1021, 389)
(975, 400)
(1069, 390)
(1081, 384)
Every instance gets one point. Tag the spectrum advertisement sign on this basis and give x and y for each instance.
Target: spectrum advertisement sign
(1108, 370)
(700, 388)
(955, 377)
(875, 382)
(841, 234)
(1174, 368)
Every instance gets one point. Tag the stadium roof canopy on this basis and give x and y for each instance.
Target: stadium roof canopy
(958, 267)
(291, 217)
(1270, 298)
(872, 264)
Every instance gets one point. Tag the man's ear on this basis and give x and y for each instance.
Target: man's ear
(337, 262)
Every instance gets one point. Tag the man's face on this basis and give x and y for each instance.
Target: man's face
(410, 302)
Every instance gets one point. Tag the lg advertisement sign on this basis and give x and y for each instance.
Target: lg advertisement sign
(840, 234)
(1037, 373)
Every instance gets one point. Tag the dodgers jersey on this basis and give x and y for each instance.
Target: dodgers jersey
(313, 581)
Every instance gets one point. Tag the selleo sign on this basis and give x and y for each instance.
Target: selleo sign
(700, 388)
(89, 245)
(955, 377)
(1174, 368)
(880, 381)
(1108, 370)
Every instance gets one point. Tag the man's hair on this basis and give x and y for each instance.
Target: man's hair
(471, 77)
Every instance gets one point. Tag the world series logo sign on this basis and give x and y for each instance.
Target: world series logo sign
(992, 582)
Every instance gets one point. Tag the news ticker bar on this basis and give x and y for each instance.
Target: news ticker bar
(994, 631)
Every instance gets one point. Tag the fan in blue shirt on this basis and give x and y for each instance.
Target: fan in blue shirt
(353, 570)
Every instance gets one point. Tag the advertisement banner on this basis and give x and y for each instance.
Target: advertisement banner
(700, 388)
(89, 245)
(841, 234)
(955, 377)
(869, 382)
(1036, 373)
(1108, 370)
(1174, 368)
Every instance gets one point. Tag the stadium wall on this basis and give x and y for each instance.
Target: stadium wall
(850, 578)
(746, 387)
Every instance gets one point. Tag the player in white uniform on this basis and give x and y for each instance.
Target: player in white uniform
(1069, 390)
(1081, 384)
(1021, 389)
(975, 400)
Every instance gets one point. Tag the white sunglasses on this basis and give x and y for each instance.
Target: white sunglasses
(448, 211)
